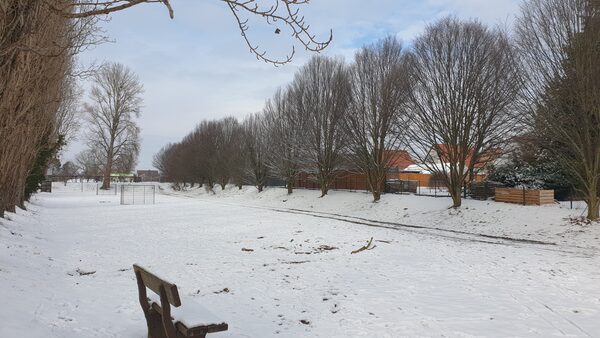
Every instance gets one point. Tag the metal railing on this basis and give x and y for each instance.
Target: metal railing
(132, 194)
(112, 189)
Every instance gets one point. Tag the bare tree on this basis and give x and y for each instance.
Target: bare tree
(174, 165)
(67, 120)
(564, 78)
(227, 152)
(465, 80)
(68, 171)
(88, 164)
(378, 117)
(285, 14)
(286, 137)
(256, 149)
(320, 93)
(115, 104)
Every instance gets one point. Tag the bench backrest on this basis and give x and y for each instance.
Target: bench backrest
(154, 283)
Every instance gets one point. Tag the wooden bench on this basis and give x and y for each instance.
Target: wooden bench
(166, 322)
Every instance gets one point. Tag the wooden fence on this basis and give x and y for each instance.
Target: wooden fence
(524, 196)
(343, 180)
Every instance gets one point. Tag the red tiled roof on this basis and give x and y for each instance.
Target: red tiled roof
(443, 150)
(399, 159)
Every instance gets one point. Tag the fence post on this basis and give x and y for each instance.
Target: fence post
(524, 196)
(571, 196)
(485, 190)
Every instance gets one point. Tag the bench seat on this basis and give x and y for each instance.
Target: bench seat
(165, 315)
(191, 319)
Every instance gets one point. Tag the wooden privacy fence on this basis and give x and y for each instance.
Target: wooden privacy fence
(343, 180)
(524, 196)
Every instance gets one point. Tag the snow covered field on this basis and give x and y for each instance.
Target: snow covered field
(301, 279)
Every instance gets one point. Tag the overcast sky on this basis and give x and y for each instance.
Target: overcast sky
(197, 65)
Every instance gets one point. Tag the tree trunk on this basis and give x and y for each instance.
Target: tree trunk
(107, 171)
(324, 189)
(375, 183)
(260, 187)
(593, 203)
(376, 196)
(290, 186)
(455, 192)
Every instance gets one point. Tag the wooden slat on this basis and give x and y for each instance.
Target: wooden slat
(192, 331)
(520, 196)
(153, 282)
(199, 330)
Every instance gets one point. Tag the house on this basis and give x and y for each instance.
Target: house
(439, 154)
(148, 175)
(438, 160)
(399, 160)
(122, 177)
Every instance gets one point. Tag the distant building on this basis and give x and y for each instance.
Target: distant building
(122, 177)
(148, 175)
(399, 160)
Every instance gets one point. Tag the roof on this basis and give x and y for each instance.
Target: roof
(444, 149)
(399, 159)
(147, 172)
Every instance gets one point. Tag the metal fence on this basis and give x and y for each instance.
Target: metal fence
(112, 189)
(132, 194)
(402, 186)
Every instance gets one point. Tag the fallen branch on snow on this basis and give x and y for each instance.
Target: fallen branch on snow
(366, 247)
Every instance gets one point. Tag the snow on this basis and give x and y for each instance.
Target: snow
(190, 313)
(441, 278)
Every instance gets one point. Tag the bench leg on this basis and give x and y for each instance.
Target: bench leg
(155, 325)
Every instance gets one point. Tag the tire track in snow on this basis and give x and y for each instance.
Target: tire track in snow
(419, 229)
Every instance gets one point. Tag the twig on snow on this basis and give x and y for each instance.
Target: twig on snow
(366, 247)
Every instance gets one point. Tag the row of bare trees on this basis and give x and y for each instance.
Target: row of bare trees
(39, 41)
(37, 93)
(304, 127)
(456, 99)
(455, 87)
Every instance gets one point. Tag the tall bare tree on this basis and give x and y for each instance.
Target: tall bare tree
(320, 93)
(378, 116)
(68, 119)
(562, 55)
(115, 104)
(88, 164)
(286, 137)
(256, 149)
(227, 152)
(465, 80)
